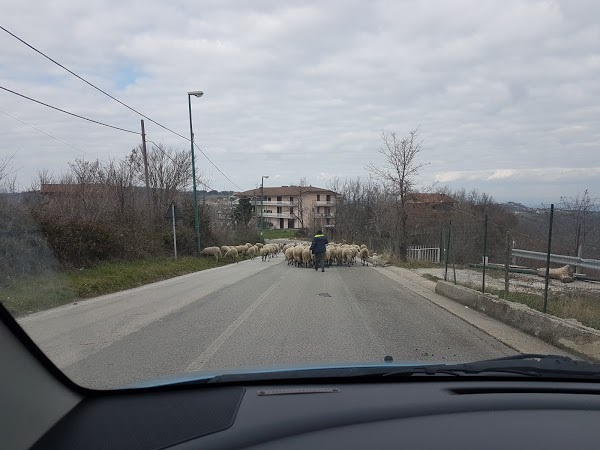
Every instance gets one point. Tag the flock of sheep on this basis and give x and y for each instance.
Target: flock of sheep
(235, 252)
(341, 254)
(297, 254)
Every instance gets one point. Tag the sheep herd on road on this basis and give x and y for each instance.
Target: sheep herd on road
(297, 254)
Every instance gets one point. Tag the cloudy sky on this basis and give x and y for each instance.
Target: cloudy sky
(506, 93)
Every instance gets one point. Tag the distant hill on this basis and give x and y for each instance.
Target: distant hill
(519, 208)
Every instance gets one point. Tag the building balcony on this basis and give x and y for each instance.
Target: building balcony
(276, 203)
(324, 215)
(281, 215)
(325, 203)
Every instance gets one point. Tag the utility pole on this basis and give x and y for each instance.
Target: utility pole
(196, 219)
(146, 177)
(262, 197)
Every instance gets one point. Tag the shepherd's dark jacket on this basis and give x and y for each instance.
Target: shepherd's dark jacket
(319, 244)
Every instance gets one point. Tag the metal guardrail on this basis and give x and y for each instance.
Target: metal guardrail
(558, 259)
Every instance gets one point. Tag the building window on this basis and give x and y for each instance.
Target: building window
(292, 212)
(327, 221)
(318, 209)
(268, 199)
(291, 200)
(279, 198)
(328, 197)
(318, 197)
(279, 210)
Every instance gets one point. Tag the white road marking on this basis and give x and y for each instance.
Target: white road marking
(199, 362)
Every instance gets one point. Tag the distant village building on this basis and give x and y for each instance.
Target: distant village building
(293, 207)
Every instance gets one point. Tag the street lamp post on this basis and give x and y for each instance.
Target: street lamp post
(262, 198)
(196, 221)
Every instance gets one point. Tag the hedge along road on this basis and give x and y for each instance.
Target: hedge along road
(248, 314)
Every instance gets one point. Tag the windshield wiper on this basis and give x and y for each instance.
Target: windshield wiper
(525, 364)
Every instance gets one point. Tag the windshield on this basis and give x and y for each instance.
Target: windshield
(190, 189)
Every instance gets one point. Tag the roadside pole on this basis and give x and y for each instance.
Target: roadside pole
(146, 177)
(506, 264)
(547, 281)
(485, 227)
(454, 259)
(174, 232)
(448, 251)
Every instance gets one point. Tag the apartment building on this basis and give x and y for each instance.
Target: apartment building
(293, 206)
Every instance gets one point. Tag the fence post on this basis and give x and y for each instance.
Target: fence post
(454, 259)
(548, 258)
(506, 264)
(447, 251)
(485, 227)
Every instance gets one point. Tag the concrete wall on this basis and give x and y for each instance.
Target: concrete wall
(567, 334)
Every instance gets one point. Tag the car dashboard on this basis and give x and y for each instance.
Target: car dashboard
(412, 414)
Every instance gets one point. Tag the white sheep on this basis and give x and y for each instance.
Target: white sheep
(232, 253)
(211, 251)
(289, 255)
(375, 259)
(364, 255)
(264, 253)
(298, 255)
(306, 257)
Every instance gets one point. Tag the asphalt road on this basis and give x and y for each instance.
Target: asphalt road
(251, 314)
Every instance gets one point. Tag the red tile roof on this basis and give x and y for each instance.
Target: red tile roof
(284, 191)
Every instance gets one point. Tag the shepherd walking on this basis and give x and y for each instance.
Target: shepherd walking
(318, 248)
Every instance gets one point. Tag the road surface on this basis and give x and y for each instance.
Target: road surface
(251, 314)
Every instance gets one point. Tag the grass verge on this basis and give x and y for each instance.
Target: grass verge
(581, 305)
(430, 277)
(413, 264)
(29, 294)
(279, 234)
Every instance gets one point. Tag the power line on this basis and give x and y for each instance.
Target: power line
(209, 160)
(47, 134)
(89, 83)
(115, 99)
(69, 113)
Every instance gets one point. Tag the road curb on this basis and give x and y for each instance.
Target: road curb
(568, 334)
(513, 338)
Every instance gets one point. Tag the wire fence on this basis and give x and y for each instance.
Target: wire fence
(478, 252)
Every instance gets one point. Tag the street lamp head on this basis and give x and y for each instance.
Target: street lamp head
(196, 93)
(265, 176)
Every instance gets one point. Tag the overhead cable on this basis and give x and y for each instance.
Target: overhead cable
(69, 113)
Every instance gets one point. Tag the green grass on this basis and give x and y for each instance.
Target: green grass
(431, 277)
(29, 294)
(279, 234)
(580, 305)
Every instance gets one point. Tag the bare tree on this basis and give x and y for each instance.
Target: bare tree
(8, 178)
(580, 210)
(300, 210)
(169, 171)
(121, 176)
(398, 174)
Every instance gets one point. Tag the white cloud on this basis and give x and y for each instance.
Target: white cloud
(303, 89)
